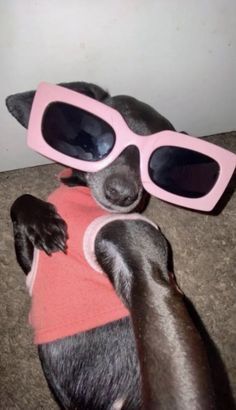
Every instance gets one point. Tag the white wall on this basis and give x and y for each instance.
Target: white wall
(177, 55)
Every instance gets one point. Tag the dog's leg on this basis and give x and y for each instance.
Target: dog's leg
(36, 224)
(174, 367)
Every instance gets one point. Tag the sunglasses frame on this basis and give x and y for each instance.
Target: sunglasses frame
(49, 93)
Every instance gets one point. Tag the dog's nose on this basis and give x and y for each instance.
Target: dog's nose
(120, 191)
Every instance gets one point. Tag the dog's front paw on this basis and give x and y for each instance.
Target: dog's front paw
(40, 222)
(48, 231)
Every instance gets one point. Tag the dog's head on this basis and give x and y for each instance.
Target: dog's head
(117, 187)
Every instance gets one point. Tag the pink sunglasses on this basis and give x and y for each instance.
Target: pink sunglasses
(85, 134)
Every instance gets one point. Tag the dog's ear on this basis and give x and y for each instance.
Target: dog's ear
(19, 105)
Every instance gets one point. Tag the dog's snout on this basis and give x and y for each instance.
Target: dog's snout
(120, 190)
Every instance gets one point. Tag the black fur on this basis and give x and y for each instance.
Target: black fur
(100, 369)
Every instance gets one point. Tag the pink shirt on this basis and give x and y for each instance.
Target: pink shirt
(68, 296)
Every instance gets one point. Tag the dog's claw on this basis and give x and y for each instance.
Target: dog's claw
(62, 246)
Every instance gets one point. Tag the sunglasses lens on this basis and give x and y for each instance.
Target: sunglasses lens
(183, 172)
(77, 133)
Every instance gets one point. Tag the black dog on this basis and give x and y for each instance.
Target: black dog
(153, 360)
